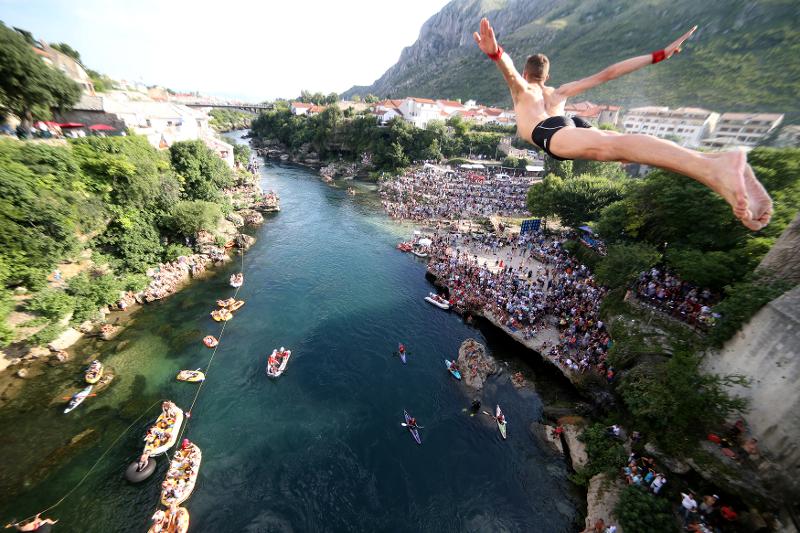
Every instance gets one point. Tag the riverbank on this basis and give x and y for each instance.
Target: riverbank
(165, 279)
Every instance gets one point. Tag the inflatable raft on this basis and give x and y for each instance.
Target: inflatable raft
(164, 522)
(94, 372)
(275, 370)
(210, 341)
(192, 376)
(182, 475)
(167, 424)
(438, 301)
(221, 315)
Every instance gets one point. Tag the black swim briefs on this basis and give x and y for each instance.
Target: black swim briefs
(549, 126)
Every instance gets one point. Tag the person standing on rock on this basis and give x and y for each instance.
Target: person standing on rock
(541, 122)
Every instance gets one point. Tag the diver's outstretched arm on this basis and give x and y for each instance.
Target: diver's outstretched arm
(488, 45)
(623, 67)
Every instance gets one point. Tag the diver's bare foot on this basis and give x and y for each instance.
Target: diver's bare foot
(729, 181)
(759, 202)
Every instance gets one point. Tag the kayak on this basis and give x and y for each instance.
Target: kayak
(438, 301)
(414, 431)
(192, 376)
(274, 371)
(158, 446)
(502, 426)
(78, 398)
(403, 357)
(456, 373)
(94, 373)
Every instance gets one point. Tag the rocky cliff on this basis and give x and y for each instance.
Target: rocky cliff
(739, 45)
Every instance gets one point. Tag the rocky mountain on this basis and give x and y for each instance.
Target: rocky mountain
(744, 56)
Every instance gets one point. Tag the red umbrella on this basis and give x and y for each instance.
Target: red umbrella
(72, 125)
(101, 127)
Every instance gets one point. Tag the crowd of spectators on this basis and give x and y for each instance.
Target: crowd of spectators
(527, 298)
(431, 193)
(679, 298)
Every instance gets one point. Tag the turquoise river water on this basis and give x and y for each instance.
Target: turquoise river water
(321, 448)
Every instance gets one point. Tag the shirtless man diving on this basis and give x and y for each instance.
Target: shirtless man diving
(541, 121)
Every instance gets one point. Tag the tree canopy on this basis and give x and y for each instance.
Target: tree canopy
(28, 87)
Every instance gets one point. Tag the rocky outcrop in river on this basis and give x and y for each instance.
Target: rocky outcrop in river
(475, 363)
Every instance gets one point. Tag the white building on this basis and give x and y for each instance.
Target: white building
(300, 108)
(162, 123)
(742, 129)
(420, 111)
(690, 125)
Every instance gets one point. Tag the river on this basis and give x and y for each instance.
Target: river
(321, 448)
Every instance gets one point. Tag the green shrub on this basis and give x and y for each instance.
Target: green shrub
(639, 511)
(46, 335)
(189, 217)
(606, 454)
(54, 304)
(91, 292)
(134, 282)
(174, 251)
(623, 263)
(742, 301)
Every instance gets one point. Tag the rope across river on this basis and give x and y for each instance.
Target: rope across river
(127, 429)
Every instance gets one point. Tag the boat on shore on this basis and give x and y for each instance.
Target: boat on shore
(191, 376)
(438, 301)
(78, 398)
(167, 522)
(94, 372)
(276, 362)
(419, 252)
(182, 474)
(163, 434)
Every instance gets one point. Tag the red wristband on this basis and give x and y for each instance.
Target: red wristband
(497, 55)
(659, 55)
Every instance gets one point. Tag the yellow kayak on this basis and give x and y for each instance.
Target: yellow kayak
(192, 376)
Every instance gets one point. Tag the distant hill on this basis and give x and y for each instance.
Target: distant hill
(745, 55)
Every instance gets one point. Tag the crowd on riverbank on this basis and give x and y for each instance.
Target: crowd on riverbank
(676, 297)
(432, 193)
(546, 288)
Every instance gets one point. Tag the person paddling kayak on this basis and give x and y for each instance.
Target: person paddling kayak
(401, 348)
(412, 423)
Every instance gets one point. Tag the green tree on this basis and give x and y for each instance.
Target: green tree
(189, 217)
(133, 239)
(562, 169)
(624, 262)
(241, 154)
(576, 200)
(202, 172)
(638, 510)
(371, 99)
(54, 304)
(676, 403)
(28, 87)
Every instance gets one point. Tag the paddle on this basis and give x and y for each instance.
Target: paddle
(87, 396)
(407, 426)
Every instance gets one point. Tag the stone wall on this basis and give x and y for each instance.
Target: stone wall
(767, 352)
(783, 258)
